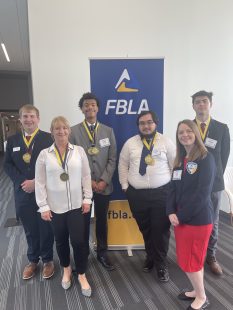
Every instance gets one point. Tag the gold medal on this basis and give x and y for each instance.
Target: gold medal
(27, 158)
(149, 160)
(64, 176)
(93, 150)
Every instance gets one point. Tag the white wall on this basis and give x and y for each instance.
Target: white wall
(194, 37)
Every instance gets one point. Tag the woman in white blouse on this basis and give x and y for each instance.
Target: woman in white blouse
(63, 194)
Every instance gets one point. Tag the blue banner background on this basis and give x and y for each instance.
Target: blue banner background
(146, 75)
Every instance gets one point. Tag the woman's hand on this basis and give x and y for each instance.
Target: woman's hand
(173, 219)
(86, 208)
(46, 216)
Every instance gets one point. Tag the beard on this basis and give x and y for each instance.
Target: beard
(148, 136)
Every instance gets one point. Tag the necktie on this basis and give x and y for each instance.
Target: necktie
(203, 126)
(28, 138)
(92, 128)
(145, 152)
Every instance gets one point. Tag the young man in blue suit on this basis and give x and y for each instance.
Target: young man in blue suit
(216, 138)
(21, 154)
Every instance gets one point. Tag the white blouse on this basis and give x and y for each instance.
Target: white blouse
(61, 196)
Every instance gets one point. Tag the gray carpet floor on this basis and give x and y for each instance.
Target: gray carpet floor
(128, 287)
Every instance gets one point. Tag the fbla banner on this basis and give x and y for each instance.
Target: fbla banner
(126, 87)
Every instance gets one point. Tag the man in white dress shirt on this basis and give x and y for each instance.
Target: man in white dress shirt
(145, 165)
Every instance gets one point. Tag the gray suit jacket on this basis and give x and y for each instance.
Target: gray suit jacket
(103, 164)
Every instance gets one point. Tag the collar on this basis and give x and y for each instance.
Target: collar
(206, 122)
(52, 147)
(89, 124)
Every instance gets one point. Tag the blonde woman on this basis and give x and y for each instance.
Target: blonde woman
(189, 208)
(63, 194)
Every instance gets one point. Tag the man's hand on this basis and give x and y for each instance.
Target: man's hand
(94, 186)
(86, 208)
(101, 185)
(28, 186)
(174, 219)
(46, 216)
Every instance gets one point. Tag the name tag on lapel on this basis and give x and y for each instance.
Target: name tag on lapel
(177, 175)
(16, 149)
(104, 142)
(211, 143)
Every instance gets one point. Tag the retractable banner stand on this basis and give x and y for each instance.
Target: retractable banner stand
(126, 87)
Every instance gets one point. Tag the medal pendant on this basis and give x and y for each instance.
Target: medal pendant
(93, 150)
(27, 158)
(64, 177)
(149, 160)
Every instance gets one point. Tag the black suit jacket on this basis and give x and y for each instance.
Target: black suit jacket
(17, 169)
(219, 132)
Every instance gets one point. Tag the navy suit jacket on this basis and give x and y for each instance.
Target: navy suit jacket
(219, 132)
(190, 196)
(17, 169)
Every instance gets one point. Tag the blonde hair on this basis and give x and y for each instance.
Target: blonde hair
(57, 120)
(199, 151)
(28, 108)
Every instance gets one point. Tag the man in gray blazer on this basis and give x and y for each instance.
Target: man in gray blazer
(99, 142)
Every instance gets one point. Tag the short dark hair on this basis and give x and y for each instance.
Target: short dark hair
(202, 93)
(87, 96)
(152, 113)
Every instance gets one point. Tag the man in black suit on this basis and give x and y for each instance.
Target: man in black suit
(216, 138)
(21, 154)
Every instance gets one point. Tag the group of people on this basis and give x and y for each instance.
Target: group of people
(57, 177)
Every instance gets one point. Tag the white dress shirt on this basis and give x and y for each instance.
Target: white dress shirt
(156, 175)
(56, 195)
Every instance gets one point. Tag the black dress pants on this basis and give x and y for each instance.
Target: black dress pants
(148, 207)
(70, 225)
(101, 212)
(39, 233)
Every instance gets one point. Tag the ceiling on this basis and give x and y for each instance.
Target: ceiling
(14, 34)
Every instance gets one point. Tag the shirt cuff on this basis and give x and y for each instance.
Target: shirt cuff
(124, 186)
(44, 209)
(87, 200)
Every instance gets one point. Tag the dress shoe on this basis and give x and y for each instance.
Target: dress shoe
(204, 306)
(105, 262)
(48, 270)
(183, 296)
(214, 266)
(29, 271)
(148, 265)
(163, 274)
(85, 291)
(66, 285)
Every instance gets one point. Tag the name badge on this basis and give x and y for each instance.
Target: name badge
(177, 175)
(16, 149)
(211, 143)
(104, 142)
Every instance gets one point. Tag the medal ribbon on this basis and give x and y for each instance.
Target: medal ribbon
(61, 159)
(29, 143)
(203, 134)
(150, 145)
(91, 135)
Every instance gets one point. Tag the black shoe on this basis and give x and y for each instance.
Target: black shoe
(163, 274)
(183, 296)
(148, 265)
(204, 306)
(104, 261)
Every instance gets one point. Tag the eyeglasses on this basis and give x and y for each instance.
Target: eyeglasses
(147, 123)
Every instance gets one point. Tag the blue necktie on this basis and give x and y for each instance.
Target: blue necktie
(143, 165)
